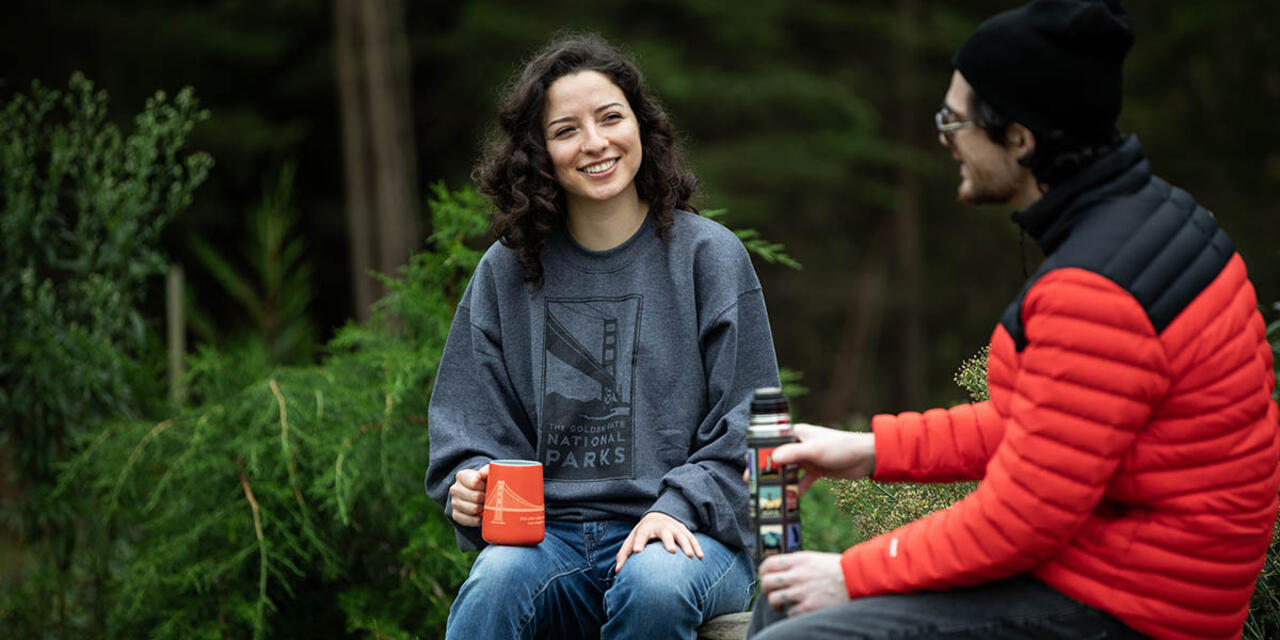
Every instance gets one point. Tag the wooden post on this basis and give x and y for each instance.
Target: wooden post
(176, 330)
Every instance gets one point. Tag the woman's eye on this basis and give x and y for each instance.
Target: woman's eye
(612, 117)
(560, 133)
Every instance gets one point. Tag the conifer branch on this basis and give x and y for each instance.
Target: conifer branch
(337, 481)
(259, 622)
(389, 403)
(284, 445)
(124, 471)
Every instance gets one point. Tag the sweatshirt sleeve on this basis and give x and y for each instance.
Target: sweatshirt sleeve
(1088, 379)
(707, 493)
(475, 415)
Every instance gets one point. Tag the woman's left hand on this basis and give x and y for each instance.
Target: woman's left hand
(658, 526)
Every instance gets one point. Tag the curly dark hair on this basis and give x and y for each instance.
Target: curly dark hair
(516, 171)
(1057, 156)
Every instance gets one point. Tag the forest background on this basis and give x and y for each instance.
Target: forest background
(329, 122)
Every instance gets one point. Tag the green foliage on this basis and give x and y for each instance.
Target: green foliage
(290, 505)
(878, 508)
(972, 375)
(772, 252)
(277, 289)
(826, 526)
(83, 207)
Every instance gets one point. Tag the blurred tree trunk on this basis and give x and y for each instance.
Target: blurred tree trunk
(853, 356)
(911, 127)
(372, 56)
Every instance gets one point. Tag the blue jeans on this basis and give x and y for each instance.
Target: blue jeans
(1020, 607)
(566, 587)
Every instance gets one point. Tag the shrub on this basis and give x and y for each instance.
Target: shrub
(83, 207)
(288, 501)
(877, 508)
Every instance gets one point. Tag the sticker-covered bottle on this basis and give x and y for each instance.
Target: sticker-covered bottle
(775, 489)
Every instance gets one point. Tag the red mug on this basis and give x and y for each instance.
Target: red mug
(514, 511)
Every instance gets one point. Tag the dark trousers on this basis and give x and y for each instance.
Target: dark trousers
(1018, 607)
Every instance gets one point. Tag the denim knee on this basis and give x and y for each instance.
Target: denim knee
(657, 576)
(501, 596)
(502, 569)
(720, 581)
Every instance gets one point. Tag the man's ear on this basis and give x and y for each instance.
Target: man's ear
(1020, 141)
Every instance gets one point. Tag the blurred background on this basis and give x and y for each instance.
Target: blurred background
(807, 120)
(332, 123)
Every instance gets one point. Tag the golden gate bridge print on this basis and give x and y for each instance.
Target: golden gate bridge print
(497, 502)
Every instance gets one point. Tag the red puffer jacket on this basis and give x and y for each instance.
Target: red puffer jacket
(1130, 452)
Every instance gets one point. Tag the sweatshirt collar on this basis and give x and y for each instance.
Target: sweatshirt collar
(609, 260)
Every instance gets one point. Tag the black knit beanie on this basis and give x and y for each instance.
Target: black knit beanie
(1052, 65)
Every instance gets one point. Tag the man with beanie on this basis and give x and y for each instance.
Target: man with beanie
(1129, 456)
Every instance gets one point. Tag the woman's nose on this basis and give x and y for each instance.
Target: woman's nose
(592, 141)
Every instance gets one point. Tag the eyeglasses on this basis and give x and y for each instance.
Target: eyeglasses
(947, 123)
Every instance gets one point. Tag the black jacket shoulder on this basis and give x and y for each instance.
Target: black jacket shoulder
(1118, 220)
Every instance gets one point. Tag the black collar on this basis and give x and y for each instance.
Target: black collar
(1050, 218)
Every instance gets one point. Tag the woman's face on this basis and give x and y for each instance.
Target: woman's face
(592, 136)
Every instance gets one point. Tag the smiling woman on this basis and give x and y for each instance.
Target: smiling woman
(594, 143)
(519, 173)
(615, 337)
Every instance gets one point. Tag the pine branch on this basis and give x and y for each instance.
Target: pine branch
(259, 625)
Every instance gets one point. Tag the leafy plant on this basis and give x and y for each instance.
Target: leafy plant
(285, 503)
(83, 206)
(772, 252)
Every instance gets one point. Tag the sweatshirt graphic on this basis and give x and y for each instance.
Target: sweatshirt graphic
(589, 364)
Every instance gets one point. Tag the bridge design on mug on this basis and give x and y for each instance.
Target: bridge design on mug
(498, 503)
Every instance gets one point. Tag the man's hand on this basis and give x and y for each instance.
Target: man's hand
(466, 496)
(803, 581)
(656, 525)
(828, 452)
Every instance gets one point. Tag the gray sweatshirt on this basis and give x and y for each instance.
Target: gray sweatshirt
(628, 375)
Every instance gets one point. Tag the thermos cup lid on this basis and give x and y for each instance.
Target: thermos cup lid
(768, 400)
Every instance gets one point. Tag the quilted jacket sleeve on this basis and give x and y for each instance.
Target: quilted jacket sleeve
(1086, 382)
(958, 444)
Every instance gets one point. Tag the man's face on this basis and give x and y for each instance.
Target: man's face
(989, 172)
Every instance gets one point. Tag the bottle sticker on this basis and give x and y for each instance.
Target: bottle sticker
(767, 469)
(770, 501)
(793, 537)
(770, 539)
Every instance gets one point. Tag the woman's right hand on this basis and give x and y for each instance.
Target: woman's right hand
(466, 496)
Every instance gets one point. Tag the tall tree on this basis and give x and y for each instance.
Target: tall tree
(910, 130)
(378, 144)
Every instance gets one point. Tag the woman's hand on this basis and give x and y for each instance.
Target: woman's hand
(660, 526)
(803, 581)
(466, 496)
(828, 452)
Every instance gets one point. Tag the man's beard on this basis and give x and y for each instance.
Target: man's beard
(986, 189)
